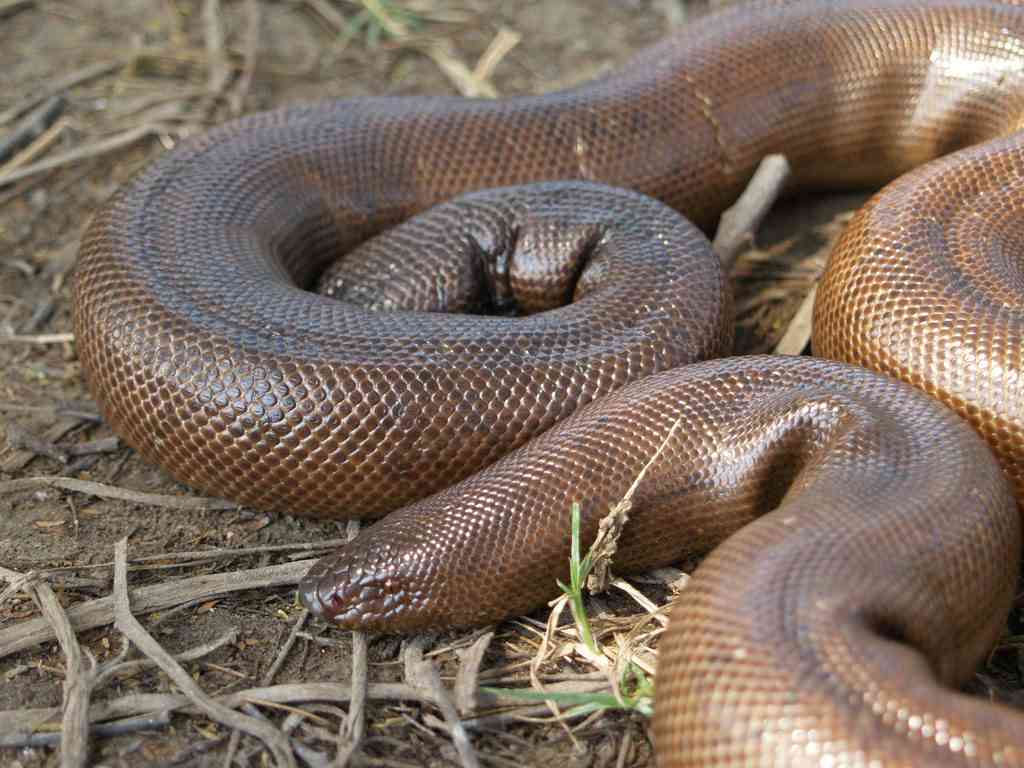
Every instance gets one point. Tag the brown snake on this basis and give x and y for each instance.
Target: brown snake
(886, 545)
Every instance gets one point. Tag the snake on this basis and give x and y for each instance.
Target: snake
(460, 317)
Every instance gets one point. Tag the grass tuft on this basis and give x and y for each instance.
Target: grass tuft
(579, 570)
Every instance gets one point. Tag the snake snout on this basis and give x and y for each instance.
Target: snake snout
(353, 595)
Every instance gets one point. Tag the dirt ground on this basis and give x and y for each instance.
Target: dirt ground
(146, 74)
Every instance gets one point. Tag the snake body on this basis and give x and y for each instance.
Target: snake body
(880, 539)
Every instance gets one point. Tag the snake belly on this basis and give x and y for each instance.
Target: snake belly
(880, 540)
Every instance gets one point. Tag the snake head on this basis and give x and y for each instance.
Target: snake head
(450, 561)
(365, 587)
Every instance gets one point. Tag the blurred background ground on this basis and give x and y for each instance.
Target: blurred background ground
(114, 83)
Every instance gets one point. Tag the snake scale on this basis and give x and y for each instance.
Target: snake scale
(494, 352)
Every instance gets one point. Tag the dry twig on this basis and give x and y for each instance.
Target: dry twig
(20, 439)
(10, 7)
(197, 556)
(353, 728)
(236, 99)
(38, 95)
(38, 147)
(16, 725)
(192, 503)
(504, 41)
(96, 613)
(36, 338)
(18, 458)
(147, 722)
(219, 70)
(125, 668)
(602, 551)
(798, 333)
(268, 678)
(118, 141)
(468, 675)
(328, 13)
(739, 222)
(426, 677)
(78, 680)
(126, 622)
(73, 409)
(32, 126)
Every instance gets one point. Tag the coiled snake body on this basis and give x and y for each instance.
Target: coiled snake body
(823, 633)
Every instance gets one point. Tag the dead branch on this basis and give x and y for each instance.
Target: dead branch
(34, 338)
(353, 728)
(120, 667)
(798, 333)
(467, 678)
(16, 723)
(268, 678)
(99, 612)
(151, 722)
(19, 438)
(190, 503)
(236, 99)
(126, 622)
(197, 556)
(423, 674)
(10, 7)
(78, 679)
(61, 84)
(118, 141)
(32, 126)
(738, 224)
(328, 13)
(38, 147)
(504, 41)
(74, 410)
(41, 314)
(216, 57)
(18, 459)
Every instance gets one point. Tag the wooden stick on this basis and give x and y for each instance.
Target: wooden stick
(739, 222)
(217, 62)
(116, 728)
(191, 503)
(10, 7)
(133, 630)
(32, 126)
(99, 612)
(236, 99)
(36, 148)
(60, 85)
(422, 673)
(36, 338)
(798, 334)
(196, 556)
(328, 14)
(353, 727)
(15, 723)
(19, 438)
(267, 679)
(120, 140)
(19, 459)
(78, 680)
(467, 677)
(73, 409)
